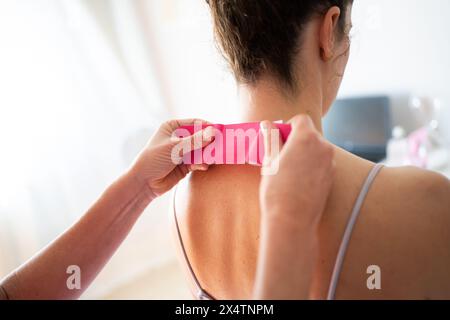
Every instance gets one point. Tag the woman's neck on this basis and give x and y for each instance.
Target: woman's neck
(266, 101)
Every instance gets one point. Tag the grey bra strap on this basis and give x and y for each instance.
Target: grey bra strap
(348, 231)
(201, 294)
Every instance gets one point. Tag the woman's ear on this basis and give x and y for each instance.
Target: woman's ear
(328, 33)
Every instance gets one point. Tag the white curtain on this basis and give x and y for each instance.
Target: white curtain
(79, 96)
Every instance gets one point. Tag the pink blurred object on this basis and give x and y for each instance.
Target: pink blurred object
(417, 142)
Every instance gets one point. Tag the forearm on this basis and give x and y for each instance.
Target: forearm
(88, 244)
(288, 252)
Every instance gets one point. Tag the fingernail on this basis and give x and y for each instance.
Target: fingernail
(200, 167)
(264, 125)
(309, 121)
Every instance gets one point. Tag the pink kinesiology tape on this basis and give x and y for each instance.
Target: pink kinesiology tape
(233, 144)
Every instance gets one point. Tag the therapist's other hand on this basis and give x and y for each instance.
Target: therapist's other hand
(155, 167)
(299, 188)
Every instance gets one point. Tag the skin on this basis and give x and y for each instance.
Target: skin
(404, 225)
(92, 241)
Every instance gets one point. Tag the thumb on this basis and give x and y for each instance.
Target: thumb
(302, 122)
(198, 140)
(270, 132)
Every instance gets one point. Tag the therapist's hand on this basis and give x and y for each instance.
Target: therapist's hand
(155, 167)
(88, 245)
(293, 198)
(298, 191)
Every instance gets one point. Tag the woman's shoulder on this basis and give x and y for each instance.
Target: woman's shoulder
(415, 198)
(417, 190)
(404, 228)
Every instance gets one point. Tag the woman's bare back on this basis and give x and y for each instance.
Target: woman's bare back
(403, 227)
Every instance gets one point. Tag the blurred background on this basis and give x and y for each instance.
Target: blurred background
(84, 83)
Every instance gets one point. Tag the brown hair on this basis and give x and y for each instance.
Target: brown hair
(259, 36)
